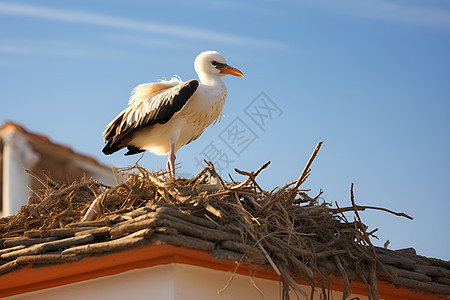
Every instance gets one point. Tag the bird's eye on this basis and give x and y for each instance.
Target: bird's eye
(214, 63)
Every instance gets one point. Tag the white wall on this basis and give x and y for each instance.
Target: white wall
(149, 283)
(100, 173)
(17, 155)
(171, 282)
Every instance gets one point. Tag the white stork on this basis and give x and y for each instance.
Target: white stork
(164, 116)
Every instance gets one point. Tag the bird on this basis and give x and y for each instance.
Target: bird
(163, 116)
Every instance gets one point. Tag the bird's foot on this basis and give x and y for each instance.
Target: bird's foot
(171, 164)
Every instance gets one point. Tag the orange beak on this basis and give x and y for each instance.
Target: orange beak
(226, 69)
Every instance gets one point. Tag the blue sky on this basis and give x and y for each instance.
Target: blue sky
(371, 79)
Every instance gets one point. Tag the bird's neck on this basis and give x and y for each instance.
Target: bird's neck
(210, 80)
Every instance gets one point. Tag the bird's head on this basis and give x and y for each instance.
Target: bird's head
(212, 63)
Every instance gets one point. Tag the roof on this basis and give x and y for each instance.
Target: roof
(214, 222)
(9, 127)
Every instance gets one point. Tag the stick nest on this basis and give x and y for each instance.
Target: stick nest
(298, 236)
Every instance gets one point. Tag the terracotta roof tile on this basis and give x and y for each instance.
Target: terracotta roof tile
(10, 126)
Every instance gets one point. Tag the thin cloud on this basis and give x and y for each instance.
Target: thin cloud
(13, 49)
(141, 41)
(61, 48)
(42, 50)
(83, 17)
(240, 6)
(387, 11)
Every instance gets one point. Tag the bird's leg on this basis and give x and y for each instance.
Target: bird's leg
(171, 160)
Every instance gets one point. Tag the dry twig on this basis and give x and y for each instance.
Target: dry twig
(283, 229)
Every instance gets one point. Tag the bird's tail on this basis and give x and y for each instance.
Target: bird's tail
(108, 149)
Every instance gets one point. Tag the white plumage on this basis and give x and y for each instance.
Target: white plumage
(166, 115)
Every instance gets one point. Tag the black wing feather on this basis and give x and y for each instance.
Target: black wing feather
(117, 136)
(133, 150)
